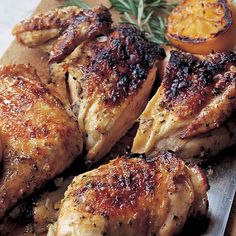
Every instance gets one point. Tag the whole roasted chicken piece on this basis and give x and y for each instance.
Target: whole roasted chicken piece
(109, 83)
(192, 112)
(39, 139)
(133, 195)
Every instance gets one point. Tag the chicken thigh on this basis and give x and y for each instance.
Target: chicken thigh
(133, 195)
(39, 139)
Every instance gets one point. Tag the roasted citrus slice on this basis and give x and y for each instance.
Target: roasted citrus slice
(202, 26)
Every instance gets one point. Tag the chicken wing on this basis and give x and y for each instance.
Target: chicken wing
(39, 139)
(192, 111)
(45, 26)
(72, 24)
(109, 83)
(133, 195)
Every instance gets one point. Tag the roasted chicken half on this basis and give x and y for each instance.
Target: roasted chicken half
(192, 112)
(39, 139)
(106, 81)
(133, 195)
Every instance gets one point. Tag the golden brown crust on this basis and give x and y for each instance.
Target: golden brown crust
(18, 71)
(39, 138)
(117, 66)
(133, 177)
(59, 18)
(192, 84)
(119, 194)
(134, 195)
(85, 25)
(56, 18)
(72, 24)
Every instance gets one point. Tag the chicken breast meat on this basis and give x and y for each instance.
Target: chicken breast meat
(133, 195)
(109, 83)
(192, 113)
(39, 139)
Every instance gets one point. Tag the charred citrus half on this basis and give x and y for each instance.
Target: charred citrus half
(202, 26)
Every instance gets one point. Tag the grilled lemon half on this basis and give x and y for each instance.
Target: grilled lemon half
(202, 26)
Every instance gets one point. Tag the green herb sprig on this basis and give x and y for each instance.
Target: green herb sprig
(148, 15)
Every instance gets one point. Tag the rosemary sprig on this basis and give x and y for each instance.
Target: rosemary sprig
(147, 15)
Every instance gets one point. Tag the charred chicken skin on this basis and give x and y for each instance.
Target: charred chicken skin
(71, 24)
(109, 83)
(39, 139)
(192, 111)
(133, 195)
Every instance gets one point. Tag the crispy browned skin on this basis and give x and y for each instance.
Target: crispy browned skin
(86, 25)
(45, 26)
(192, 86)
(115, 66)
(109, 82)
(39, 138)
(133, 196)
(191, 111)
(73, 24)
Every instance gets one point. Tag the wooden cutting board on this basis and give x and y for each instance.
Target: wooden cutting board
(19, 54)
